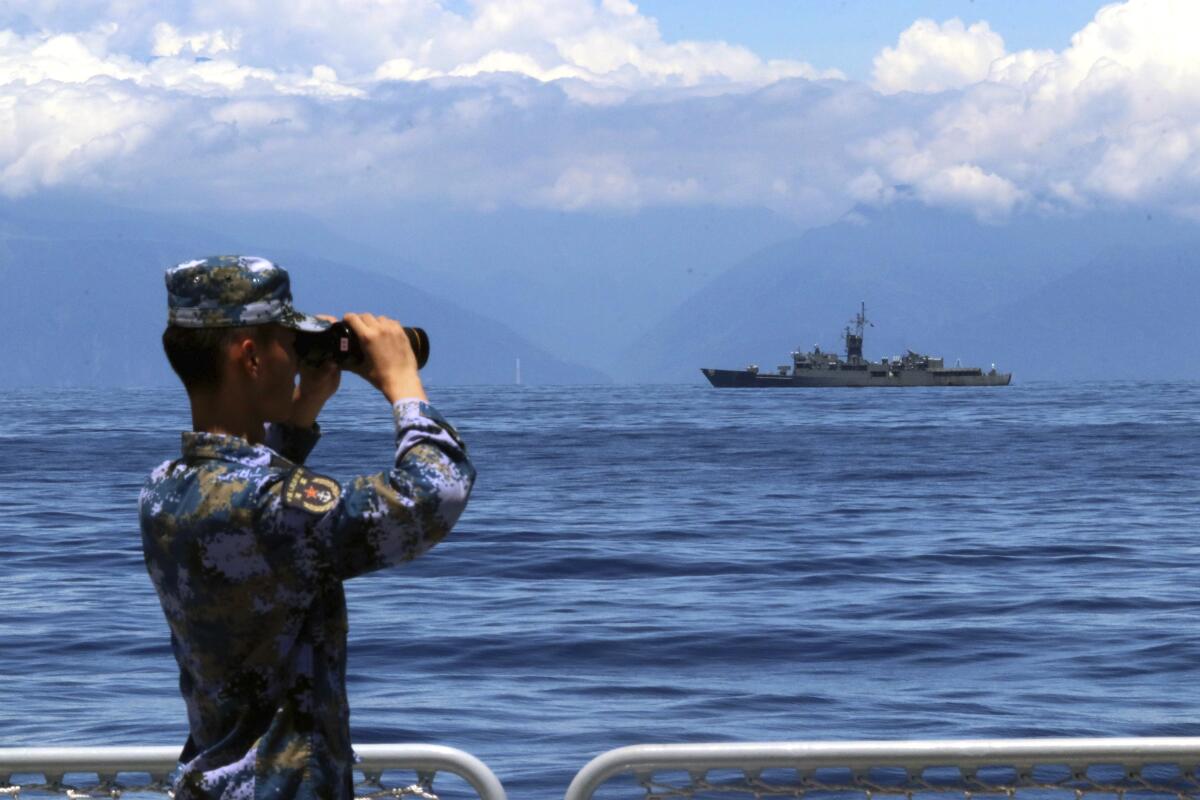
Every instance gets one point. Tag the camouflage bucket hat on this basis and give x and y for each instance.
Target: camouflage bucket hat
(232, 291)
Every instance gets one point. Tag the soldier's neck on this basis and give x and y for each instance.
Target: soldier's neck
(220, 413)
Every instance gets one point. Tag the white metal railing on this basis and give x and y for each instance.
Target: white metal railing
(1117, 767)
(968, 767)
(113, 769)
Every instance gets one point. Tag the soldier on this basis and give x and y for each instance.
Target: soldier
(247, 548)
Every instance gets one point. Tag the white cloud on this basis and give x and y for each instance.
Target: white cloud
(870, 189)
(169, 41)
(63, 58)
(518, 63)
(930, 57)
(81, 57)
(966, 185)
(1015, 69)
(604, 42)
(211, 82)
(1114, 117)
(51, 135)
(581, 104)
(599, 185)
(1151, 155)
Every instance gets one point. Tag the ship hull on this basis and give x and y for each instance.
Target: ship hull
(837, 378)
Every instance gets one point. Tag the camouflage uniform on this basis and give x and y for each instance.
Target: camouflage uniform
(247, 550)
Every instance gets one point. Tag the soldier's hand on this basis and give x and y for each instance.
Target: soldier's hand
(388, 361)
(316, 386)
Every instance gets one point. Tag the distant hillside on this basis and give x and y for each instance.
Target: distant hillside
(943, 283)
(583, 285)
(1131, 313)
(84, 302)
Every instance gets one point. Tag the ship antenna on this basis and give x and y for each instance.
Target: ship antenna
(861, 319)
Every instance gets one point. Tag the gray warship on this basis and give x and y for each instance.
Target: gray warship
(820, 369)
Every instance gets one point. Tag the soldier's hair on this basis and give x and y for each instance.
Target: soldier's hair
(196, 353)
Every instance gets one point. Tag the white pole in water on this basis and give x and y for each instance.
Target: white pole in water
(518, 372)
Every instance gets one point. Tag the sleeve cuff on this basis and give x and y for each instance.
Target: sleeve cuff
(412, 413)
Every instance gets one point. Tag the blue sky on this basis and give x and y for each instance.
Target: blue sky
(803, 108)
(847, 34)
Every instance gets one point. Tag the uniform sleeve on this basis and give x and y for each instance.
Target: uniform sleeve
(391, 517)
(291, 442)
(333, 532)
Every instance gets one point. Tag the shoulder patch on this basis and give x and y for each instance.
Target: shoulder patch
(310, 491)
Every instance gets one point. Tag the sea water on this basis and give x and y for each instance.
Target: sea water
(669, 564)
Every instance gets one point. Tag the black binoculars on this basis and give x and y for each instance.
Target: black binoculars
(339, 343)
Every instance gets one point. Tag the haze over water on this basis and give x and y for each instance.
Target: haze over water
(669, 563)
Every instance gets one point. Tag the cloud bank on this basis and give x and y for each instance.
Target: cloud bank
(581, 105)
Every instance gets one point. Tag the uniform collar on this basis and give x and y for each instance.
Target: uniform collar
(201, 445)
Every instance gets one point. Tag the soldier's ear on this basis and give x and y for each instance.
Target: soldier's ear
(245, 353)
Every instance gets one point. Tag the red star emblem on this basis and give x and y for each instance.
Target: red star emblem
(311, 493)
